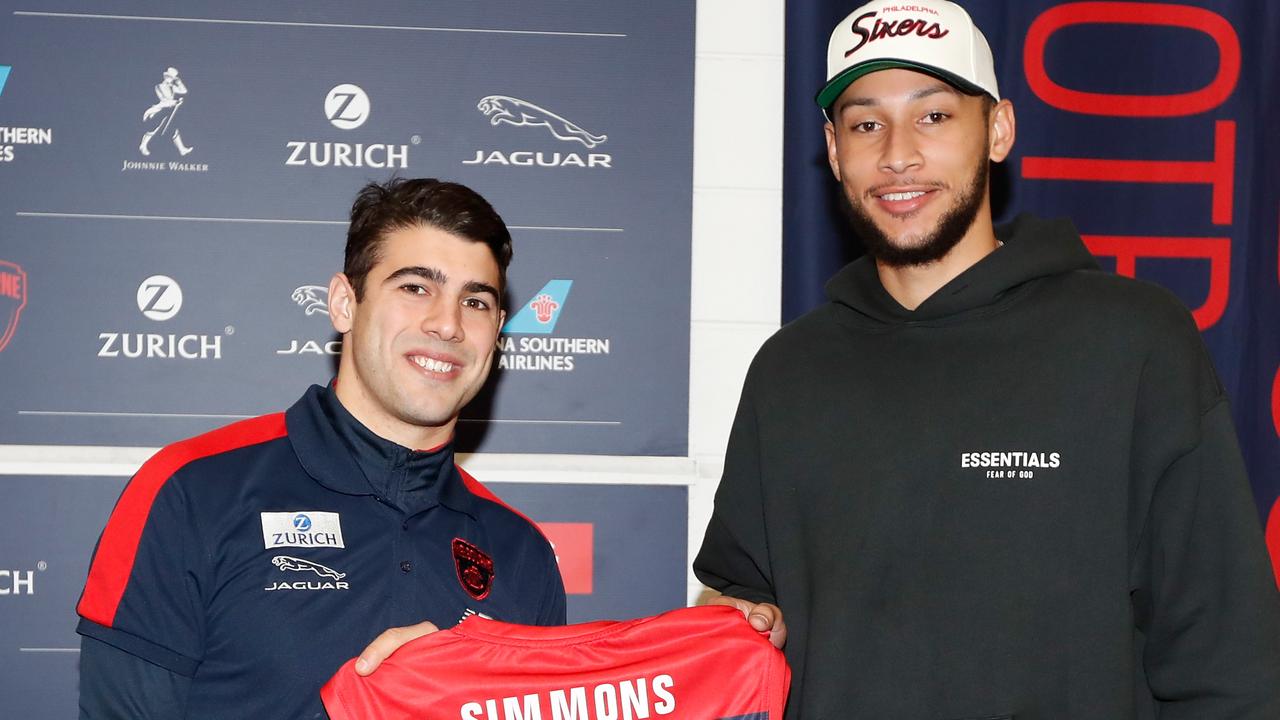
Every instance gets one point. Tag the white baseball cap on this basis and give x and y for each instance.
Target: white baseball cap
(932, 36)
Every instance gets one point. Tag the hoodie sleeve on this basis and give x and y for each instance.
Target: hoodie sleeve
(1205, 601)
(734, 557)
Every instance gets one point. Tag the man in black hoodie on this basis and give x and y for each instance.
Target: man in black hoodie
(986, 480)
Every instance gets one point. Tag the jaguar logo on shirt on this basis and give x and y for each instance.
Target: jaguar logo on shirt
(330, 579)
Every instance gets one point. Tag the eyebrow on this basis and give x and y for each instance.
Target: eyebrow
(438, 277)
(860, 101)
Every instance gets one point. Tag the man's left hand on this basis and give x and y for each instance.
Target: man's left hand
(388, 642)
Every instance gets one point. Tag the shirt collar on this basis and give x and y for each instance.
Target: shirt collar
(340, 453)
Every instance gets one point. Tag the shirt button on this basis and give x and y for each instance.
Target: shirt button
(406, 566)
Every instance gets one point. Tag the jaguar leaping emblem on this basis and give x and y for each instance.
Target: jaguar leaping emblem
(314, 299)
(284, 562)
(514, 111)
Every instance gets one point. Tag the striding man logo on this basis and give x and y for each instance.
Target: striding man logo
(171, 92)
(502, 109)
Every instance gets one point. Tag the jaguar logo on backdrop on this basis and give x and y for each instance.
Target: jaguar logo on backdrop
(314, 303)
(348, 107)
(504, 110)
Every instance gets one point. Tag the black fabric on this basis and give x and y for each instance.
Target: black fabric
(1024, 498)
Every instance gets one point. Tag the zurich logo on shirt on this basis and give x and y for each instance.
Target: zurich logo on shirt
(301, 522)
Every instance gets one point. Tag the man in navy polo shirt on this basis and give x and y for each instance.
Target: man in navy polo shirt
(241, 568)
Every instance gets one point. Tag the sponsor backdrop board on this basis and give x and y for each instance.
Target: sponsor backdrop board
(621, 550)
(177, 180)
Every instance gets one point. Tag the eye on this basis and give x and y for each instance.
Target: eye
(475, 304)
(413, 289)
(866, 126)
(935, 117)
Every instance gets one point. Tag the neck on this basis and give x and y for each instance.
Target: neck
(366, 409)
(911, 285)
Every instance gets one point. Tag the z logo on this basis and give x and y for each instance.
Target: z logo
(513, 111)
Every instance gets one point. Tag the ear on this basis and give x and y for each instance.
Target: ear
(342, 303)
(502, 321)
(833, 158)
(1003, 131)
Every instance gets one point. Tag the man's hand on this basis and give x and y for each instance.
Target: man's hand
(388, 642)
(762, 616)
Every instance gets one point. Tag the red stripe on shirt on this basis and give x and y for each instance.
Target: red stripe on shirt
(113, 561)
(479, 490)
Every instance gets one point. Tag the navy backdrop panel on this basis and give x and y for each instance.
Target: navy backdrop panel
(175, 195)
(48, 526)
(1197, 211)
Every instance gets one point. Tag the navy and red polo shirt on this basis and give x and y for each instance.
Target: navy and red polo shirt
(258, 558)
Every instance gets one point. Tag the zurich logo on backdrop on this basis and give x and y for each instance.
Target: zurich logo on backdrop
(160, 299)
(13, 298)
(347, 107)
(507, 110)
(535, 322)
(314, 300)
(11, 137)
(163, 121)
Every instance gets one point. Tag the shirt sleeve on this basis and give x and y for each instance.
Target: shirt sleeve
(143, 593)
(1205, 602)
(116, 685)
(553, 606)
(734, 557)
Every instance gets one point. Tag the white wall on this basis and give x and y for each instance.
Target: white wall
(737, 265)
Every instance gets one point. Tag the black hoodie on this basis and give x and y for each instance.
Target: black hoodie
(1023, 499)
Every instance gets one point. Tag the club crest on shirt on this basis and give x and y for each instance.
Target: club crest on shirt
(475, 568)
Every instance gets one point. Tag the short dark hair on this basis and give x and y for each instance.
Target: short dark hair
(381, 208)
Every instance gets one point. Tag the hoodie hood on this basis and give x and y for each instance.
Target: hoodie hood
(1033, 248)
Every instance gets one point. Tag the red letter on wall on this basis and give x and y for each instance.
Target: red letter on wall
(1132, 13)
(575, 552)
(1126, 250)
(1219, 173)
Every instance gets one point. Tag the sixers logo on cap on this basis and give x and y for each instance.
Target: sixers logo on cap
(13, 297)
(936, 37)
(475, 569)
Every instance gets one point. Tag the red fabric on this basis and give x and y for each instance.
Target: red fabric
(113, 561)
(479, 490)
(693, 663)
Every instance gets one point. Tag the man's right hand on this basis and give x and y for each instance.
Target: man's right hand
(762, 616)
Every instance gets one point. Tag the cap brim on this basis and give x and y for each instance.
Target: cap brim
(837, 84)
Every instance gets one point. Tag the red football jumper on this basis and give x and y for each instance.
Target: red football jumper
(699, 663)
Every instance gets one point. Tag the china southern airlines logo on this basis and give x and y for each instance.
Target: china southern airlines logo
(539, 315)
(314, 299)
(4, 76)
(330, 579)
(502, 109)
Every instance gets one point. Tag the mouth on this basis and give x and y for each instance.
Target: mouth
(435, 366)
(903, 201)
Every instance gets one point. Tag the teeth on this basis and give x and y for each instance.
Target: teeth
(894, 197)
(433, 365)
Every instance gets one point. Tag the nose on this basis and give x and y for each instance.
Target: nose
(444, 320)
(900, 151)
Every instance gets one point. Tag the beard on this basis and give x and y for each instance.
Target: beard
(927, 248)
